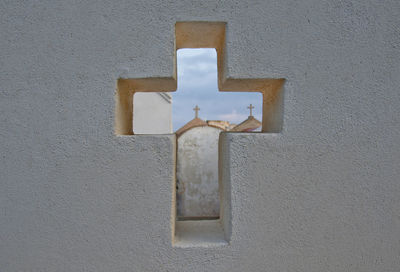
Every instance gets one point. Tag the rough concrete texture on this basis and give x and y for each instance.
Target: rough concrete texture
(197, 173)
(324, 195)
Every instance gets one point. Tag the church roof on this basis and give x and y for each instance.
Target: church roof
(249, 124)
(224, 125)
(196, 122)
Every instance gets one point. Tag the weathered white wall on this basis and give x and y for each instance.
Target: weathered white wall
(197, 172)
(321, 196)
(152, 113)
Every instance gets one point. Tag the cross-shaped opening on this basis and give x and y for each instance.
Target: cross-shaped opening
(203, 35)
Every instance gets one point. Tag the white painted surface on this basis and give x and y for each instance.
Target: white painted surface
(197, 172)
(321, 196)
(152, 113)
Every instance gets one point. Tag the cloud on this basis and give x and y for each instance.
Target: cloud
(233, 117)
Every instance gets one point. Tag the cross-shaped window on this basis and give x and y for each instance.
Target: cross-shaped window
(202, 35)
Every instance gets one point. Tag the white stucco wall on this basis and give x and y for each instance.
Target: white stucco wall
(322, 195)
(197, 172)
(152, 113)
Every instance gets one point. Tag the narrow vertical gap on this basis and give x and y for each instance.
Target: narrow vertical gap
(200, 114)
(198, 130)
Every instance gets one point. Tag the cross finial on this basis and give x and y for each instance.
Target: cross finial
(196, 110)
(251, 109)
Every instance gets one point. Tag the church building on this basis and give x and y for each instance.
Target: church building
(250, 124)
(197, 169)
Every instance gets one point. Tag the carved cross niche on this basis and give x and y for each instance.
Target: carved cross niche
(201, 35)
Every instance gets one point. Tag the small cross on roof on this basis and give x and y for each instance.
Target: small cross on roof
(251, 107)
(196, 110)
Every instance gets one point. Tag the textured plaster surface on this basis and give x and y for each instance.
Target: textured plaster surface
(324, 195)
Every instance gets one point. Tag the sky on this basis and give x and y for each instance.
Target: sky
(198, 85)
